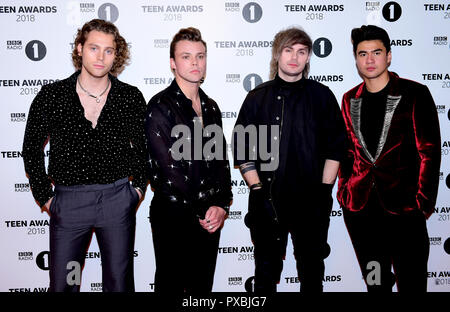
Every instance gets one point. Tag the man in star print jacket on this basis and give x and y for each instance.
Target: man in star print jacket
(192, 183)
(97, 144)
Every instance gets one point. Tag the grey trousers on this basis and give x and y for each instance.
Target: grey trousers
(77, 212)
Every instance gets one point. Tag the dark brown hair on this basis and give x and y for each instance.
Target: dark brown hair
(190, 34)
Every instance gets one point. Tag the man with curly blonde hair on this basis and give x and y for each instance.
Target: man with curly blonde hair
(94, 124)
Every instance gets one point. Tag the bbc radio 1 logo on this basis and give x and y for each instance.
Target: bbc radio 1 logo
(108, 12)
(437, 241)
(87, 7)
(235, 215)
(25, 255)
(232, 7)
(42, 260)
(391, 12)
(440, 109)
(96, 287)
(14, 45)
(252, 12)
(21, 187)
(251, 81)
(35, 50)
(235, 281)
(161, 43)
(440, 40)
(322, 47)
(18, 117)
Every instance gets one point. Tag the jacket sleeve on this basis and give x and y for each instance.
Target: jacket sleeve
(244, 150)
(137, 139)
(334, 130)
(346, 166)
(428, 143)
(37, 132)
(225, 195)
(167, 175)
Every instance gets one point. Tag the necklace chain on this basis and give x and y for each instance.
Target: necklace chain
(97, 98)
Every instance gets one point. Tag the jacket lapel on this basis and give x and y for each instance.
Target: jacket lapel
(355, 114)
(391, 105)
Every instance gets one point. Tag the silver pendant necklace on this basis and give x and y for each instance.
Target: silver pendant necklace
(97, 98)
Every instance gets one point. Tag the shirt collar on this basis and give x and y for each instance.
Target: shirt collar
(175, 88)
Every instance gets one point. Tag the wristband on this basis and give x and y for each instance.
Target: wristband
(255, 185)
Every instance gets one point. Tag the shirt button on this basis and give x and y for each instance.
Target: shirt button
(279, 97)
(269, 179)
(275, 138)
(278, 118)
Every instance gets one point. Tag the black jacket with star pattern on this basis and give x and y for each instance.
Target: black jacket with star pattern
(199, 175)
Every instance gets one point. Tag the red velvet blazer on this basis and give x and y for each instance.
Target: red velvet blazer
(405, 169)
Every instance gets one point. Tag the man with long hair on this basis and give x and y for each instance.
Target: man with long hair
(294, 196)
(94, 124)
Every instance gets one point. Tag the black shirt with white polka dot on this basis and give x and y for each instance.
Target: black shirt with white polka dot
(79, 153)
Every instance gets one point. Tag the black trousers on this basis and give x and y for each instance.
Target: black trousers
(77, 212)
(185, 253)
(383, 240)
(308, 226)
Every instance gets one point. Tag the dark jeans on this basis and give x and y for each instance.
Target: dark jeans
(185, 253)
(78, 211)
(269, 231)
(390, 240)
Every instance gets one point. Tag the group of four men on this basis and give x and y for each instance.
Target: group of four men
(106, 143)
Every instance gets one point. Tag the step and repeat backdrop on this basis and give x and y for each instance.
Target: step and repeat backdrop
(36, 41)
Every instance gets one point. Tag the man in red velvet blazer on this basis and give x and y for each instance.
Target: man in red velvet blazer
(389, 181)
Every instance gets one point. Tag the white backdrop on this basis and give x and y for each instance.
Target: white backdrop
(35, 45)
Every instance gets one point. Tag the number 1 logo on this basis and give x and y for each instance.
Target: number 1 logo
(252, 12)
(35, 50)
(322, 47)
(392, 11)
(108, 12)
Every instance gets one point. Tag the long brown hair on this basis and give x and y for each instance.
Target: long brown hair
(287, 38)
(122, 51)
